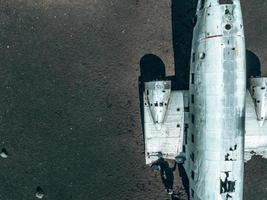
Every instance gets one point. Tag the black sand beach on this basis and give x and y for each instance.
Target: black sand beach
(69, 99)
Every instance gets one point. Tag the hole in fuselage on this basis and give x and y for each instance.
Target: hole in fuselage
(202, 4)
(193, 57)
(193, 119)
(202, 55)
(192, 78)
(192, 99)
(228, 27)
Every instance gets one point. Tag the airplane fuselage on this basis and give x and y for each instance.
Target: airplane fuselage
(217, 102)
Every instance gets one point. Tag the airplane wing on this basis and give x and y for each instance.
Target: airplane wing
(164, 119)
(169, 137)
(255, 123)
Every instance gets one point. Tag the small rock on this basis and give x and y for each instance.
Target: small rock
(39, 193)
(4, 153)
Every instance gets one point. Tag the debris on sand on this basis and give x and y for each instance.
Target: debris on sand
(4, 153)
(99, 119)
(39, 193)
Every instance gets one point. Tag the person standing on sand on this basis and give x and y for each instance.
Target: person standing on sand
(166, 172)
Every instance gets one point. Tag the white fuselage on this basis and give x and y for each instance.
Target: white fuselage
(217, 103)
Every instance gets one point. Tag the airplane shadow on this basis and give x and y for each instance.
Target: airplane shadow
(183, 13)
(253, 65)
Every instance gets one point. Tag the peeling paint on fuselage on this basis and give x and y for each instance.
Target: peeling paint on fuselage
(218, 111)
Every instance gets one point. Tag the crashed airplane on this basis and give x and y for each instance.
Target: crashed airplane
(218, 124)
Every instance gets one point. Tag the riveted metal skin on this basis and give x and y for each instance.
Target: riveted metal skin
(163, 121)
(217, 112)
(256, 131)
(258, 90)
(158, 96)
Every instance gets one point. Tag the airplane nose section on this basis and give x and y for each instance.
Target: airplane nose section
(158, 95)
